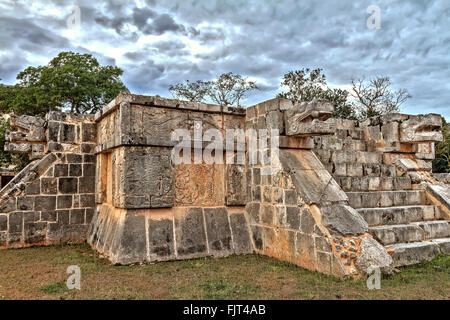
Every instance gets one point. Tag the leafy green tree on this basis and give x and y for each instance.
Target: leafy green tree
(227, 90)
(306, 85)
(374, 97)
(71, 81)
(441, 162)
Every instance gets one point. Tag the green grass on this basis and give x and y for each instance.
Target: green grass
(40, 273)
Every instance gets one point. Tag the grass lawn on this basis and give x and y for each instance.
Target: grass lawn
(40, 273)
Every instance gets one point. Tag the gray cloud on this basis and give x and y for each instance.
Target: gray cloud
(250, 37)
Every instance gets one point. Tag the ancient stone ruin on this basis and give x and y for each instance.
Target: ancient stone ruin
(337, 196)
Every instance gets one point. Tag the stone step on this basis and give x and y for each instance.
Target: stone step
(405, 254)
(362, 157)
(399, 215)
(375, 199)
(344, 169)
(434, 229)
(444, 244)
(349, 184)
(398, 233)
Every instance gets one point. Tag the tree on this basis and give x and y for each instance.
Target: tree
(441, 162)
(306, 85)
(227, 90)
(191, 91)
(70, 81)
(374, 97)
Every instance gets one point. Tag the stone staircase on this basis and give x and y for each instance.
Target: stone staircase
(404, 223)
(398, 213)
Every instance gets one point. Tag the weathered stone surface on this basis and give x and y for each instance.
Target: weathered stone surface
(421, 128)
(218, 230)
(241, 235)
(190, 232)
(199, 184)
(290, 213)
(146, 172)
(306, 118)
(343, 220)
(310, 178)
(411, 253)
(132, 241)
(236, 185)
(373, 255)
(160, 234)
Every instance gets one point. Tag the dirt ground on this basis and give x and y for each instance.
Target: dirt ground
(40, 273)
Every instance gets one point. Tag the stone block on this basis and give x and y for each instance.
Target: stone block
(87, 184)
(344, 220)
(44, 203)
(75, 170)
(88, 132)
(63, 216)
(8, 206)
(64, 201)
(15, 222)
(89, 158)
(240, 231)
(67, 133)
(35, 232)
(161, 241)
(61, 170)
(88, 169)
(70, 185)
(190, 232)
(87, 200)
(3, 222)
(253, 213)
(218, 230)
(77, 216)
(33, 188)
(49, 216)
(236, 187)
(267, 214)
(293, 217)
(49, 185)
(307, 221)
(25, 203)
(290, 197)
(257, 236)
(75, 158)
(30, 216)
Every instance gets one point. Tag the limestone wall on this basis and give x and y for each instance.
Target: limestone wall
(299, 213)
(112, 179)
(148, 207)
(52, 200)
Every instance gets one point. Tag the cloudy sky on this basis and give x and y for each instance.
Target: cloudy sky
(158, 43)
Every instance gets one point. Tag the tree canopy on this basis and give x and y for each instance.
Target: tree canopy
(227, 90)
(306, 84)
(374, 97)
(71, 81)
